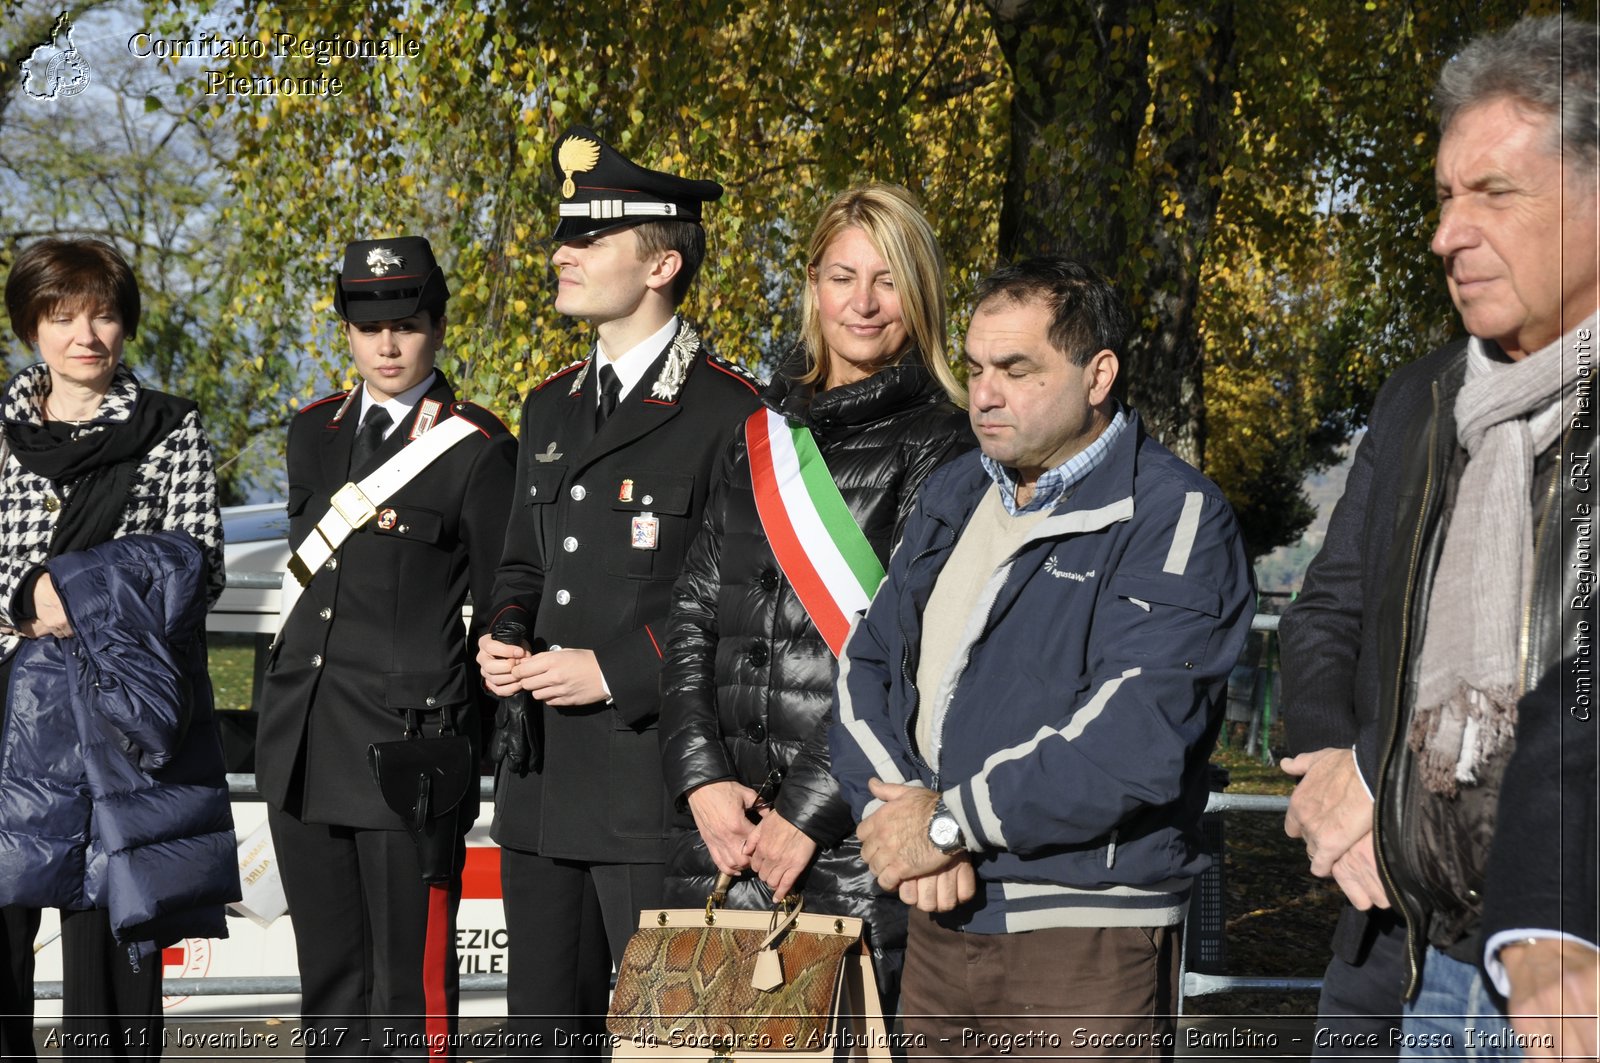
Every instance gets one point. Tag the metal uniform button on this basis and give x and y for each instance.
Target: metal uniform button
(325, 613)
(648, 499)
(563, 597)
(570, 545)
(430, 701)
(316, 660)
(533, 491)
(578, 492)
(333, 563)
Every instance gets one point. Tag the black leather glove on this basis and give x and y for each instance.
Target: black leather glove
(517, 738)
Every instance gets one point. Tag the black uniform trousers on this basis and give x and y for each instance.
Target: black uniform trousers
(376, 945)
(567, 923)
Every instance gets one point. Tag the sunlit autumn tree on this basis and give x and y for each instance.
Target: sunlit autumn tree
(1256, 177)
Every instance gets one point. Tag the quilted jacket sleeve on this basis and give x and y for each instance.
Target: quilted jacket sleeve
(130, 601)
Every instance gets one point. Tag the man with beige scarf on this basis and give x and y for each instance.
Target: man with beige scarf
(1439, 662)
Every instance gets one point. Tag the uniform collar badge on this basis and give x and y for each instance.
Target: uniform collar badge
(679, 357)
(578, 377)
(427, 414)
(344, 407)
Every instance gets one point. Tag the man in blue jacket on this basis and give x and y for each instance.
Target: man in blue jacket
(1024, 715)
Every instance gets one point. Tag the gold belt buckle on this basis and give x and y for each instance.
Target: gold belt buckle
(352, 504)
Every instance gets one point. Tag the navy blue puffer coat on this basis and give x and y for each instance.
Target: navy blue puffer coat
(112, 792)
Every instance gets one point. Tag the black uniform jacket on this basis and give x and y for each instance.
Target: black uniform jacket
(599, 529)
(379, 629)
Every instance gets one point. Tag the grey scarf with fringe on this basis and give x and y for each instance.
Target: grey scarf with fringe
(1467, 682)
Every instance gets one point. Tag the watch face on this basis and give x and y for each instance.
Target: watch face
(943, 831)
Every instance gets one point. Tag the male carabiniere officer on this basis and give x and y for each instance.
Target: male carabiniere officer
(615, 465)
(376, 636)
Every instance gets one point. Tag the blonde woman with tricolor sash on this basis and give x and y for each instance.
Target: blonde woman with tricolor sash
(802, 517)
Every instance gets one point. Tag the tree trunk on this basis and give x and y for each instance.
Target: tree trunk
(1089, 179)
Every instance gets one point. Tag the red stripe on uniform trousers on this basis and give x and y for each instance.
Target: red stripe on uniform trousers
(435, 957)
(653, 641)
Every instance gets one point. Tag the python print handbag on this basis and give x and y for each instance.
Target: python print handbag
(718, 984)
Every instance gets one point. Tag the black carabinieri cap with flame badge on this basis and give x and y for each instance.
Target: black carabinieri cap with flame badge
(386, 280)
(601, 190)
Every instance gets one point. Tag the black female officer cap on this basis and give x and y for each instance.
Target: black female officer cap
(601, 190)
(385, 280)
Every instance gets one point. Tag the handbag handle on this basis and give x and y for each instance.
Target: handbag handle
(719, 893)
(777, 927)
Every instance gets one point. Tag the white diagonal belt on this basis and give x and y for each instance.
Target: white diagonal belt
(356, 503)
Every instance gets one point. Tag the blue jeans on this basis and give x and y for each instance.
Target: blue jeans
(1454, 1016)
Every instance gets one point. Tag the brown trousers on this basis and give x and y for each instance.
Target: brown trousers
(1068, 993)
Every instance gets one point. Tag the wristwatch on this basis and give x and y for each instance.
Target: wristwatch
(944, 832)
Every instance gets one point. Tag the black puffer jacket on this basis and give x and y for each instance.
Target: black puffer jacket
(748, 680)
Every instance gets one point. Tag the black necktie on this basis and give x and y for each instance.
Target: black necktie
(610, 393)
(369, 438)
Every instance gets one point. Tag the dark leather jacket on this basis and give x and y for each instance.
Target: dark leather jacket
(1423, 486)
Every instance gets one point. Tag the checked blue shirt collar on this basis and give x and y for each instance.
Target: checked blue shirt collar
(1055, 482)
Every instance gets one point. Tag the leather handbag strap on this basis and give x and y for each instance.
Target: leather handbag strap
(788, 921)
(354, 504)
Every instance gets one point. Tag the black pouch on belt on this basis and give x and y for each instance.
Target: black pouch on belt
(424, 778)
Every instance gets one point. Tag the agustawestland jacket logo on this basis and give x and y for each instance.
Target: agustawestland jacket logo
(1058, 572)
(55, 69)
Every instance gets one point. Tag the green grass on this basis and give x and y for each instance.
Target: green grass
(232, 663)
(1279, 918)
(1248, 775)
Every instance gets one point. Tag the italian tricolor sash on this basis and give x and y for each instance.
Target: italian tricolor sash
(817, 542)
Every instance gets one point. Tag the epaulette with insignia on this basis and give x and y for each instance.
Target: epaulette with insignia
(736, 370)
(582, 363)
(481, 416)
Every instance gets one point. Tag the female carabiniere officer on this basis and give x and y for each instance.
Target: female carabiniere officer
(376, 641)
(752, 637)
(102, 611)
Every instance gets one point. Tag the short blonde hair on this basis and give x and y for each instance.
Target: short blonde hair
(892, 219)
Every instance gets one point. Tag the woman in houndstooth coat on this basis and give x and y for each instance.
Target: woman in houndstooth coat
(88, 455)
